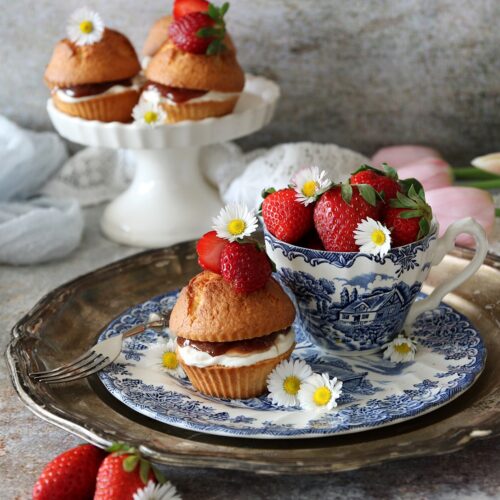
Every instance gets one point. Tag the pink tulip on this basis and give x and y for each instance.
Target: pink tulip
(490, 163)
(432, 172)
(397, 156)
(450, 204)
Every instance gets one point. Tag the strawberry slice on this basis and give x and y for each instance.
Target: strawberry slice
(209, 249)
(183, 7)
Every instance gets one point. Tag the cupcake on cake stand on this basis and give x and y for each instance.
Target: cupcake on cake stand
(168, 201)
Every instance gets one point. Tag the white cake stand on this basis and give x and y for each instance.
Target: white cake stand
(168, 200)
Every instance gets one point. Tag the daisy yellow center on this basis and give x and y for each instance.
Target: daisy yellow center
(322, 395)
(291, 385)
(309, 188)
(150, 117)
(402, 348)
(86, 27)
(169, 360)
(236, 226)
(378, 237)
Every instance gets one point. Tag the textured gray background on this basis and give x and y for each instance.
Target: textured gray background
(358, 73)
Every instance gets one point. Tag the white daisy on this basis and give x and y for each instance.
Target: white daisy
(309, 183)
(170, 361)
(400, 350)
(372, 237)
(284, 382)
(152, 491)
(85, 27)
(320, 393)
(235, 222)
(148, 113)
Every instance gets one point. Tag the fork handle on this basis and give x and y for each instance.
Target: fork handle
(141, 328)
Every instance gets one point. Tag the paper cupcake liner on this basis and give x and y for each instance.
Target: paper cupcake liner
(106, 108)
(198, 110)
(235, 383)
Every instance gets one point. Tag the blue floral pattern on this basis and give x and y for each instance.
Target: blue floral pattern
(375, 392)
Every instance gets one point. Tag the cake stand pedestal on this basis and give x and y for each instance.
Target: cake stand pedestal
(168, 200)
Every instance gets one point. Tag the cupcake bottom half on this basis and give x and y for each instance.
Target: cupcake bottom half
(233, 382)
(198, 110)
(104, 108)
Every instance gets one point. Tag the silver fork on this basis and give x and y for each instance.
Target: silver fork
(96, 358)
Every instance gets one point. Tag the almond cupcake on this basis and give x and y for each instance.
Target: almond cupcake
(93, 73)
(229, 342)
(195, 73)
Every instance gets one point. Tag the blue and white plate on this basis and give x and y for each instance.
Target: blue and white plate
(376, 392)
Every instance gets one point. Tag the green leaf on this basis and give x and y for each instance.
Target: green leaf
(206, 32)
(114, 447)
(368, 193)
(421, 194)
(224, 9)
(410, 214)
(130, 463)
(213, 11)
(407, 183)
(390, 172)
(424, 227)
(160, 477)
(346, 192)
(266, 192)
(402, 201)
(144, 469)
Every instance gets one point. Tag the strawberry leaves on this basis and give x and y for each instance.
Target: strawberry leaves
(414, 202)
(366, 191)
(218, 31)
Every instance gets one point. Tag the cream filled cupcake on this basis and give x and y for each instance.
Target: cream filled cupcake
(93, 73)
(195, 73)
(229, 342)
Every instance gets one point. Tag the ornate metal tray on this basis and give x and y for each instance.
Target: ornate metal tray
(69, 319)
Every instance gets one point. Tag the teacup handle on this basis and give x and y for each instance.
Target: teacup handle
(443, 246)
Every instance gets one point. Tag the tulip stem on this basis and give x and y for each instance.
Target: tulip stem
(486, 184)
(497, 212)
(466, 173)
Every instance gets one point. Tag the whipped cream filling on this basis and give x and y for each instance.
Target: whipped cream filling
(201, 359)
(155, 97)
(115, 89)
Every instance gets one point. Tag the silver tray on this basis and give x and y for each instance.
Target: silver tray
(68, 320)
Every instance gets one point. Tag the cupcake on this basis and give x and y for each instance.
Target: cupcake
(157, 36)
(195, 73)
(93, 73)
(229, 342)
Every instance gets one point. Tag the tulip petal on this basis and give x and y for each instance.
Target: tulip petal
(450, 204)
(433, 173)
(490, 163)
(397, 156)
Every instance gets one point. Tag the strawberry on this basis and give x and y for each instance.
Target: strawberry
(209, 249)
(122, 473)
(184, 7)
(285, 217)
(70, 475)
(245, 266)
(408, 217)
(339, 211)
(200, 32)
(385, 183)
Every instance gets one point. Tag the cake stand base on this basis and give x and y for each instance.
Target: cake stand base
(167, 202)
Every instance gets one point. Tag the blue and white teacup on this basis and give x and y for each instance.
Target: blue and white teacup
(351, 302)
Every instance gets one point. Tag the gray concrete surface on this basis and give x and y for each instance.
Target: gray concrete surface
(357, 73)
(28, 443)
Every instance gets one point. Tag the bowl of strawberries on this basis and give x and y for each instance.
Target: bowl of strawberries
(355, 255)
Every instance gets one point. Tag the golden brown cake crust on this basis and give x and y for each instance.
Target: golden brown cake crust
(209, 310)
(175, 68)
(113, 58)
(198, 110)
(157, 36)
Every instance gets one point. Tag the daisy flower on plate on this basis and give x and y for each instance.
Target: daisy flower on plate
(372, 237)
(170, 361)
(235, 222)
(285, 381)
(85, 27)
(148, 113)
(400, 350)
(309, 183)
(152, 491)
(320, 393)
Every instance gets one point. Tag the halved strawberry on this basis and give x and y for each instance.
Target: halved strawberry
(183, 7)
(209, 249)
